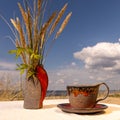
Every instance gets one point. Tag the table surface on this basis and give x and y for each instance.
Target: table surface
(13, 110)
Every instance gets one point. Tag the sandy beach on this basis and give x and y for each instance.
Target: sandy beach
(112, 100)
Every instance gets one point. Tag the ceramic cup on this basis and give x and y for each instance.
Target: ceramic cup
(85, 96)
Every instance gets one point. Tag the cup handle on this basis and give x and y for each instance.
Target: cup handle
(106, 93)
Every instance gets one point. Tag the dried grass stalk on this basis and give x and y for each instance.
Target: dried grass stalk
(18, 27)
(17, 43)
(45, 28)
(21, 42)
(35, 29)
(14, 23)
(21, 33)
(35, 35)
(23, 13)
(63, 25)
(23, 57)
(29, 29)
(39, 3)
(27, 21)
(58, 18)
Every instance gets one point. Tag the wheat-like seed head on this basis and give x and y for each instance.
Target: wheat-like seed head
(63, 25)
(29, 29)
(39, 6)
(14, 23)
(18, 27)
(58, 18)
(35, 36)
(45, 28)
(21, 33)
(35, 27)
(23, 13)
(27, 21)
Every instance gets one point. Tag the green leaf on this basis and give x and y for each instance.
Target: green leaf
(29, 51)
(35, 56)
(32, 56)
(18, 51)
(30, 73)
(22, 67)
(22, 71)
(12, 51)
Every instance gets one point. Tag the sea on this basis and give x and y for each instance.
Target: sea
(64, 92)
(56, 93)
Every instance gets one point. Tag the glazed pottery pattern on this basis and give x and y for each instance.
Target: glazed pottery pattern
(85, 96)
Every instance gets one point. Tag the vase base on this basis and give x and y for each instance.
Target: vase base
(32, 105)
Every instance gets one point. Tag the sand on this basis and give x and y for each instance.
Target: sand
(112, 100)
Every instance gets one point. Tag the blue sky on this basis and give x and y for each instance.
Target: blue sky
(87, 51)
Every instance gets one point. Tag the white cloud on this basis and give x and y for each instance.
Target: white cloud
(7, 66)
(60, 81)
(74, 75)
(103, 56)
(73, 64)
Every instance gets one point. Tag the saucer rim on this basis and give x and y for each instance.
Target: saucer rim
(81, 110)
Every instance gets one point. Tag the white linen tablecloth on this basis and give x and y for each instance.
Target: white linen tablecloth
(13, 110)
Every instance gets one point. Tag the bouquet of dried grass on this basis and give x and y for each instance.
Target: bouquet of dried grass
(32, 34)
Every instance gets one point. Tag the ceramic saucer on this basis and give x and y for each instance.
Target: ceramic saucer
(66, 107)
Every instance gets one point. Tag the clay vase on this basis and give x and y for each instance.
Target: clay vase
(85, 96)
(35, 89)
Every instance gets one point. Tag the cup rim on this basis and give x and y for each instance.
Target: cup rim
(83, 85)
